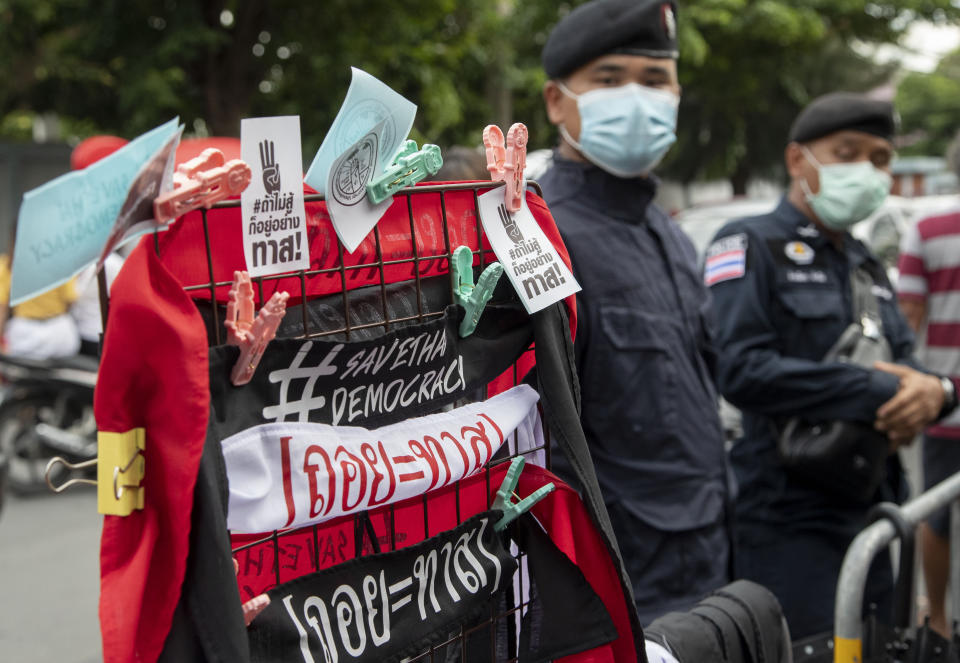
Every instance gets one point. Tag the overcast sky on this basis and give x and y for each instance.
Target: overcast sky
(923, 46)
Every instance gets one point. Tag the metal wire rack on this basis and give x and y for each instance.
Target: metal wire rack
(277, 558)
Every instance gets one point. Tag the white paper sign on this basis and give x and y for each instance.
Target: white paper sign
(290, 474)
(351, 211)
(529, 260)
(274, 219)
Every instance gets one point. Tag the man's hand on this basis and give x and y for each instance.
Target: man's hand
(917, 403)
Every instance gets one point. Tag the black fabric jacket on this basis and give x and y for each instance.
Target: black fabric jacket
(645, 359)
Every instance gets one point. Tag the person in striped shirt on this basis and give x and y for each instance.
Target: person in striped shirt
(929, 294)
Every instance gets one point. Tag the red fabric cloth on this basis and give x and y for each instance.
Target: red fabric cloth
(566, 520)
(154, 375)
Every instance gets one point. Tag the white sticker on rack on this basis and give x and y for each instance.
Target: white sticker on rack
(529, 259)
(351, 211)
(274, 220)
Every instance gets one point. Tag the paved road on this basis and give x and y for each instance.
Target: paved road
(49, 575)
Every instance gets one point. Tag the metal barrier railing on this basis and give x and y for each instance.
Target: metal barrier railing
(955, 559)
(848, 616)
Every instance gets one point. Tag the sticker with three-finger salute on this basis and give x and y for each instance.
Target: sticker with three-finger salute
(274, 221)
(529, 259)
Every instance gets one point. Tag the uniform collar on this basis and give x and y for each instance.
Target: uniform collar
(623, 198)
(799, 225)
(806, 231)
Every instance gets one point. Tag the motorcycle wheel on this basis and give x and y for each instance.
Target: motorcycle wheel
(25, 452)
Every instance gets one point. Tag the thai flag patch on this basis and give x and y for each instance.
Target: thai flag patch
(726, 259)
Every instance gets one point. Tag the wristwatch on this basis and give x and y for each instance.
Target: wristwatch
(949, 397)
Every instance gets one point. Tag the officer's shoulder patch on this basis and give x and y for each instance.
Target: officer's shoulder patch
(726, 259)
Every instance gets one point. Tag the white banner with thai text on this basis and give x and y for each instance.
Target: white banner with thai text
(291, 474)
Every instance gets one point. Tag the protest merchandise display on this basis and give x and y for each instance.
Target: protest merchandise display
(369, 435)
(325, 431)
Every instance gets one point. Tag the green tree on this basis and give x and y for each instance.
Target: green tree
(749, 66)
(123, 66)
(929, 106)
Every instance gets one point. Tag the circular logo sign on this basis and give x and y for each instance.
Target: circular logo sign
(354, 171)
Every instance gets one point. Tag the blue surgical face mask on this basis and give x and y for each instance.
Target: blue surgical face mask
(849, 192)
(625, 130)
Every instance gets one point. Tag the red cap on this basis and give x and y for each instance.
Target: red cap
(93, 149)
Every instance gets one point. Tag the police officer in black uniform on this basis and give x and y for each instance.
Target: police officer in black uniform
(781, 289)
(643, 348)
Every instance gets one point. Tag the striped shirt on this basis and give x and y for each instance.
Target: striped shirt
(930, 271)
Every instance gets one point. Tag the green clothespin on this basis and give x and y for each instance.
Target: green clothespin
(504, 499)
(473, 298)
(407, 167)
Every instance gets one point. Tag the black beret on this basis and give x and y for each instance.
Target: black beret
(602, 27)
(839, 111)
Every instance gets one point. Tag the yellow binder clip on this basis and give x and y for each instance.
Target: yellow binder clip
(120, 467)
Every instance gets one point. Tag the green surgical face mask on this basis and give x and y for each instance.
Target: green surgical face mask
(849, 192)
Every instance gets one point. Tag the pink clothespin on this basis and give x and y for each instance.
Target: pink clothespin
(254, 606)
(239, 308)
(507, 159)
(249, 334)
(201, 182)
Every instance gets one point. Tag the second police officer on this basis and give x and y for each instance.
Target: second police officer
(781, 285)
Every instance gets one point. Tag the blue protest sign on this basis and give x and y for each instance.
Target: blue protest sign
(64, 224)
(369, 102)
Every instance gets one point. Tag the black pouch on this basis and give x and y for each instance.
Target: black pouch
(845, 459)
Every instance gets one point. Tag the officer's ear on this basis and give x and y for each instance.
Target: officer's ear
(553, 99)
(794, 159)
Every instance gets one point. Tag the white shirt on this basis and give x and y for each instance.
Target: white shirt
(86, 310)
